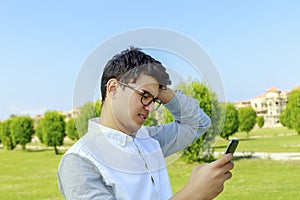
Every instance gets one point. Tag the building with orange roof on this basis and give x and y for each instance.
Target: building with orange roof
(270, 105)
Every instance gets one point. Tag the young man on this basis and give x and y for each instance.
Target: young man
(118, 158)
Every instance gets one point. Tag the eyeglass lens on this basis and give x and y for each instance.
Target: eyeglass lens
(147, 99)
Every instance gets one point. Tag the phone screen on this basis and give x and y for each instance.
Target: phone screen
(231, 147)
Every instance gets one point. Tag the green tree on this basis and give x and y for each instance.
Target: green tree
(247, 119)
(167, 116)
(161, 116)
(86, 112)
(260, 121)
(291, 115)
(151, 120)
(39, 130)
(0, 132)
(231, 123)
(98, 106)
(6, 137)
(71, 129)
(284, 118)
(22, 130)
(202, 148)
(211, 105)
(51, 129)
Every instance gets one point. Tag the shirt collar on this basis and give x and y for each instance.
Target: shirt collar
(114, 136)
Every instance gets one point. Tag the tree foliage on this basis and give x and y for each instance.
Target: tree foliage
(0, 132)
(291, 115)
(151, 120)
(86, 112)
(202, 148)
(22, 130)
(161, 116)
(71, 129)
(284, 118)
(231, 123)
(247, 119)
(51, 129)
(260, 121)
(6, 137)
(167, 116)
(98, 106)
(39, 130)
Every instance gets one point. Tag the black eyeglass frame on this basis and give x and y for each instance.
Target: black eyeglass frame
(144, 94)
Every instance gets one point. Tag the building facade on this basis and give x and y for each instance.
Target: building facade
(270, 105)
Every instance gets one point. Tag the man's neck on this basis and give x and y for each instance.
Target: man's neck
(107, 120)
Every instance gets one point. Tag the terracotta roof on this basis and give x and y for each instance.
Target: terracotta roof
(273, 89)
(285, 91)
(259, 96)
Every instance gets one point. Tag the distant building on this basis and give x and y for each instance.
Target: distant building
(242, 104)
(269, 105)
(70, 114)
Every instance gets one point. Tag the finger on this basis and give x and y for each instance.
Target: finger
(223, 160)
(227, 167)
(226, 176)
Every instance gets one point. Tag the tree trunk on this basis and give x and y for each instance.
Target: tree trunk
(55, 150)
(23, 147)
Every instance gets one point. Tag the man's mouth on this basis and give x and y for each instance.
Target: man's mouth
(143, 116)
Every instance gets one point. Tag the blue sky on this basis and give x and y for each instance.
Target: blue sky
(254, 44)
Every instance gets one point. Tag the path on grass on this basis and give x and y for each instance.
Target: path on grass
(269, 155)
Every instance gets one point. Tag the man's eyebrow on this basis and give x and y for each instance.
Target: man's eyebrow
(149, 93)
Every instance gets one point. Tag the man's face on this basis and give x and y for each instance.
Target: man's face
(128, 112)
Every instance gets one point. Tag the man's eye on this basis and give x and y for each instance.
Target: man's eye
(147, 95)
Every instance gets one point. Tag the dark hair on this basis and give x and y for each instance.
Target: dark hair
(129, 65)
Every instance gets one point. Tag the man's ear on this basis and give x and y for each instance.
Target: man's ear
(111, 86)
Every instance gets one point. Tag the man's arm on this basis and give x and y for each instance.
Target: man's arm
(190, 122)
(78, 178)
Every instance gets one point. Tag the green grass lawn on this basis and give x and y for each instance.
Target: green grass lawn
(28, 175)
(252, 179)
(265, 140)
(263, 179)
(32, 174)
(279, 131)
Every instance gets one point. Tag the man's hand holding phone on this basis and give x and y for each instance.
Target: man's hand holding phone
(210, 184)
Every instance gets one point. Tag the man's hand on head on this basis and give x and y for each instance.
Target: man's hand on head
(165, 95)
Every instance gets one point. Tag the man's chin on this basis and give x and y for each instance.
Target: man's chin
(135, 129)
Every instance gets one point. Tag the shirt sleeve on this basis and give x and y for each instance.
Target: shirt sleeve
(190, 122)
(78, 178)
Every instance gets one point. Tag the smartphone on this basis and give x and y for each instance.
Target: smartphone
(232, 145)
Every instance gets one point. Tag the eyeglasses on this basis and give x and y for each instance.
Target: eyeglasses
(146, 97)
